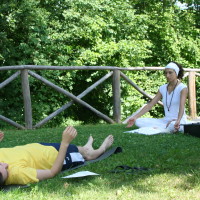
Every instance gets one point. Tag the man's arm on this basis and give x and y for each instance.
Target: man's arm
(68, 135)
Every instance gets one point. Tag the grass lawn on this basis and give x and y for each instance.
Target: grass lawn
(173, 159)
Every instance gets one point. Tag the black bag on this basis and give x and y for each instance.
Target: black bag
(192, 129)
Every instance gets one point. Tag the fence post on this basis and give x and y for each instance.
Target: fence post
(27, 98)
(192, 95)
(116, 96)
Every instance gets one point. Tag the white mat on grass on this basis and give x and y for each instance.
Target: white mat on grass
(148, 131)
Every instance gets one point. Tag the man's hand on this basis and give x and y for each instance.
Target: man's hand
(1, 136)
(69, 134)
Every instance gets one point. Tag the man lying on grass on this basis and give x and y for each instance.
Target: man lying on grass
(39, 161)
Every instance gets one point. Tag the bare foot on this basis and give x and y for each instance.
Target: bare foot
(107, 142)
(89, 142)
(89, 153)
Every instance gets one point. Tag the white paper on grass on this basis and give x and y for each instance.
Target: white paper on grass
(81, 174)
(148, 131)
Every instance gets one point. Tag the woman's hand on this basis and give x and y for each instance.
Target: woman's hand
(131, 122)
(177, 126)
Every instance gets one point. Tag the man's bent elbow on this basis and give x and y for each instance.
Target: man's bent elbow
(54, 173)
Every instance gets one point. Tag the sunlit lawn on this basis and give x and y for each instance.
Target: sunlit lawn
(173, 160)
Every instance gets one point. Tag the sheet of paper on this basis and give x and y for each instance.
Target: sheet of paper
(81, 174)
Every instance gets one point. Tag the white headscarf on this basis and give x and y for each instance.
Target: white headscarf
(173, 66)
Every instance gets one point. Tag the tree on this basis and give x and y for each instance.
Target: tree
(92, 32)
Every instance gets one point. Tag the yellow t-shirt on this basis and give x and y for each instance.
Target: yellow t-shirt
(23, 161)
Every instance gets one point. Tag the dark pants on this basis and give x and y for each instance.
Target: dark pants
(72, 158)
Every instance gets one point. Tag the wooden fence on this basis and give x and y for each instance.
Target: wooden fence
(116, 72)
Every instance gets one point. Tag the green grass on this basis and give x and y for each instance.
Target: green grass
(174, 160)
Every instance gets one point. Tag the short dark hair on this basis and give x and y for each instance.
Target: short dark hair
(181, 70)
(1, 179)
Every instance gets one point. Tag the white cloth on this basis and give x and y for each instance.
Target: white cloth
(148, 131)
(173, 66)
(174, 108)
(156, 123)
(172, 114)
(77, 157)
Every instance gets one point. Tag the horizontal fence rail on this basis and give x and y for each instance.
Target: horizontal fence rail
(24, 71)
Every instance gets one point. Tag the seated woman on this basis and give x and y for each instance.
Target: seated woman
(38, 161)
(174, 95)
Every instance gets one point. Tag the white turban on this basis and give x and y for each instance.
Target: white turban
(173, 66)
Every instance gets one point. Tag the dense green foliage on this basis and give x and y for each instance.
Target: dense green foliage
(93, 32)
(172, 158)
